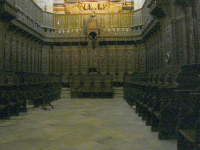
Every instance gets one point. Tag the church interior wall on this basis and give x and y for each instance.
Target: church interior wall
(167, 42)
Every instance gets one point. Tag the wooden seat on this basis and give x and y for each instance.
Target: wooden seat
(189, 124)
(22, 99)
(91, 85)
(13, 101)
(87, 90)
(108, 90)
(76, 86)
(4, 106)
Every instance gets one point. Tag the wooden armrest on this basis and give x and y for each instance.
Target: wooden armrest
(157, 113)
(2, 106)
(150, 109)
(13, 103)
(188, 134)
(144, 105)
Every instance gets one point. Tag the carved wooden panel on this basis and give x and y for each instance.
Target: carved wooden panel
(58, 60)
(75, 61)
(84, 59)
(8, 50)
(29, 56)
(103, 59)
(51, 59)
(39, 58)
(180, 43)
(24, 51)
(112, 59)
(36, 57)
(33, 57)
(198, 28)
(168, 39)
(45, 59)
(93, 58)
(66, 60)
(148, 54)
(121, 60)
(2, 40)
(160, 51)
(191, 40)
(14, 53)
(19, 54)
(141, 50)
(129, 58)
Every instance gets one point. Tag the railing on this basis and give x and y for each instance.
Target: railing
(65, 21)
(106, 20)
(31, 9)
(146, 16)
(74, 24)
(136, 17)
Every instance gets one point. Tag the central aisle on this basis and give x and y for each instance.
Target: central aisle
(81, 124)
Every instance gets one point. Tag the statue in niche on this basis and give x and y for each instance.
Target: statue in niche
(93, 38)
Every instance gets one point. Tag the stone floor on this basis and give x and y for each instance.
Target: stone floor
(81, 124)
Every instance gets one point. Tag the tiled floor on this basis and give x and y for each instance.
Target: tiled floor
(81, 124)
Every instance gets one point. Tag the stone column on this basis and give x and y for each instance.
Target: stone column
(42, 3)
(49, 4)
(138, 4)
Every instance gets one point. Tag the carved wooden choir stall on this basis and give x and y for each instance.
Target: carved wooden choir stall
(16, 90)
(92, 85)
(153, 52)
(169, 108)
